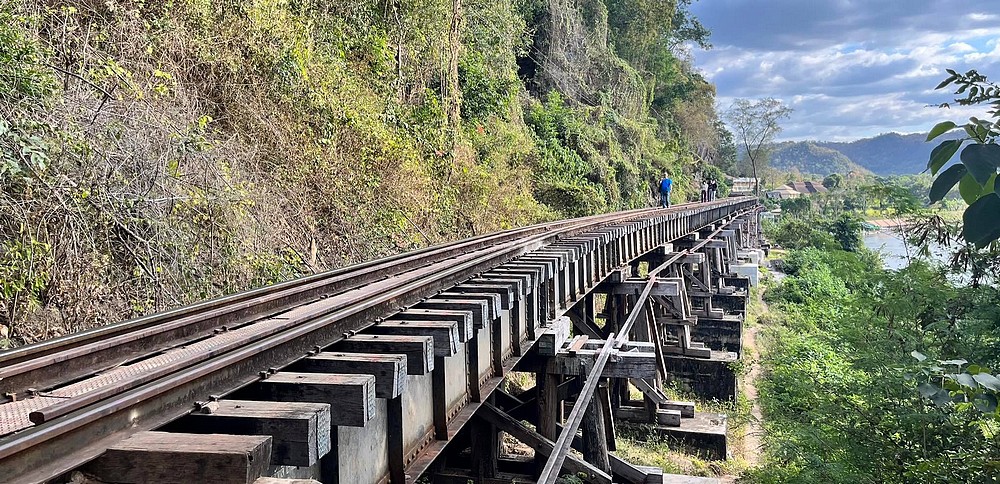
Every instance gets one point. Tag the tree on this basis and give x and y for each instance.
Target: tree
(832, 181)
(980, 158)
(755, 123)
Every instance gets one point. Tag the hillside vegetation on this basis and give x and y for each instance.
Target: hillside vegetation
(155, 153)
(808, 157)
(885, 155)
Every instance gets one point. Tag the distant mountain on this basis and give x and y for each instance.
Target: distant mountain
(812, 158)
(885, 154)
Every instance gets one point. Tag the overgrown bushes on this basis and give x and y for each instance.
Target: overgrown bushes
(839, 398)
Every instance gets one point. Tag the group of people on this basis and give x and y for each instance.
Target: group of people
(709, 189)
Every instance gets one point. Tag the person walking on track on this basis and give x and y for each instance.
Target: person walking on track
(666, 184)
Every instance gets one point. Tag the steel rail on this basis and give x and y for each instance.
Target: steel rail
(54, 447)
(50, 363)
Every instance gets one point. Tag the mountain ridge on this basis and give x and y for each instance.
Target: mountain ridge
(885, 154)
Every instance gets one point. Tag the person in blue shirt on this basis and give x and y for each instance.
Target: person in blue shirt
(666, 184)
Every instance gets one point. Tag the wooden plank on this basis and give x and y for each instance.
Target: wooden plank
(351, 397)
(277, 480)
(419, 350)
(164, 457)
(445, 333)
(464, 317)
(479, 309)
(685, 408)
(577, 344)
(541, 444)
(300, 432)
(492, 301)
(661, 287)
(389, 370)
(503, 290)
(631, 364)
(554, 337)
(670, 418)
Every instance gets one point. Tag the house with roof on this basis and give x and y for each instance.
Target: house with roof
(795, 190)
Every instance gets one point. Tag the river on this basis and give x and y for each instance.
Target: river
(896, 254)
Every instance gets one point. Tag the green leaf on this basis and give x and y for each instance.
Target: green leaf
(986, 403)
(954, 362)
(927, 390)
(966, 380)
(941, 128)
(918, 355)
(981, 221)
(982, 161)
(946, 181)
(988, 381)
(941, 398)
(969, 189)
(942, 154)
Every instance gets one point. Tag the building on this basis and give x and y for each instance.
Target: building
(783, 193)
(795, 190)
(807, 187)
(743, 186)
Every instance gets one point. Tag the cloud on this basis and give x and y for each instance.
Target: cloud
(849, 68)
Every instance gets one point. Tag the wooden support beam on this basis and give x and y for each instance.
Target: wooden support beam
(464, 313)
(351, 397)
(277, 480)
(581, 325)
(541, 444)
(389, 370)
(603, 392)
(670, 418)
(561, 449)
(419, 350)
(299, 431)
(395, 447)
(685, 408)
(169, 458)
(503, 290)
(554, 337)
(492, 301)
(631, 364)
(485, 449)
(661, 287)
(595, 438)
(445, 333)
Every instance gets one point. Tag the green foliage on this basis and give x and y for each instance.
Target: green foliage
(833, 181)
(809, 157)
(980, 159)
(23, 77)
(846, 230)
(800, 233)
(796, 206)
(841, 394)
(182, 150)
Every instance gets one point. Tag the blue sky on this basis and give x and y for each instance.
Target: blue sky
(849, 68)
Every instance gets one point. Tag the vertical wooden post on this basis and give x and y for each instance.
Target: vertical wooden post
(609, 423)
(394, 430)
(485, 449)
(595, 440)
(438, 387)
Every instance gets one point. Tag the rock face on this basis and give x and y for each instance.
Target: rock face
(574, 58)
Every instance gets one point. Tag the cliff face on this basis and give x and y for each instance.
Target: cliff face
(155, 152)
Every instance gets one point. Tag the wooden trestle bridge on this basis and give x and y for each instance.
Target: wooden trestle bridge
(391, 370)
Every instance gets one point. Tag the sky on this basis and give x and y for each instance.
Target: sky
(849, 68)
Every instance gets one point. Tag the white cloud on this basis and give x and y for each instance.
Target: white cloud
(865, 72)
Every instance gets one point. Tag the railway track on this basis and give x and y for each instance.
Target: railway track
(67, 400)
